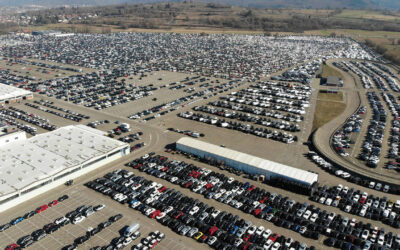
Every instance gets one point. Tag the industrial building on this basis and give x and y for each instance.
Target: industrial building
(332, 81)
(10, 94)
(33, 166)
(9, 134)
(273, 171)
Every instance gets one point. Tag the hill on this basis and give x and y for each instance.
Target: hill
(298, 4)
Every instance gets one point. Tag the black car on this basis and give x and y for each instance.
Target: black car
(69, 247)
(105, 224)
(38, 234)
(26, 243)
(63, 198)
(81, 239)
(29, 214)
(115, 218)
(4, 227)
(24, 239)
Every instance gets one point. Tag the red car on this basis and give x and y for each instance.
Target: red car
(42, 208)
(363, 200)
(179, 215)
(164, 169)
(251, 188)
(245, 245)
(247, 237)
(209, 185)
(55, 202)
(213, 230)
(274, 237)
(162, 189)
(257, 211)
(154, 245)
(154, 214)
(12, 246)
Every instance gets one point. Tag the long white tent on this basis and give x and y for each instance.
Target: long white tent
(245, 162)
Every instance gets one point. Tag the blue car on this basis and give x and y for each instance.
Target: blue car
(17, 220)
(134, 201)
(234, 230)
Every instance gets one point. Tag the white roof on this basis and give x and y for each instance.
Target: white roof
(256, 162)
(25, 162)
(11, 92)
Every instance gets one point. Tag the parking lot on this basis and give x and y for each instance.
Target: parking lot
(271, 119)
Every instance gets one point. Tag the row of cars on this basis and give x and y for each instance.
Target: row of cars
(185, 215)
(380, 85)
(391, 81)
(308, 220)
(350, 66)
(32, 213)
(173, 105)
(243, 127)
(39, 234)
(394, 108)
(4, 117)
(66, 116)
(264, 101)
(372, 145)
(360, 203)
(246, 117)
(149, 242)
(20, 114)
(257, 111)
(99, 90)
(92, 231)
(344, 137)
(333, 169)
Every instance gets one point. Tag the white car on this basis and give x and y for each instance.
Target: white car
(331, 216)
(260, 230)
(252, 229)
(127, 241)
(266, 233)
(365, 234)
(194, 210)
(160, 216)
(328, 202)
(268, 244)
(307, 214)
(59, 220)
(149, 211)
(314, 217)
(276, 246)
(212, 240)
(99, 207)
(136, 204)
(78, 219)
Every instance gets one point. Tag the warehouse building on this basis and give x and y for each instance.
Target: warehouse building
(332, 81)
(33, 166)
(274, 172)
(10, 134)
(10, 94)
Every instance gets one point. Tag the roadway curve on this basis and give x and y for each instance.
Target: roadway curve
(322, 136)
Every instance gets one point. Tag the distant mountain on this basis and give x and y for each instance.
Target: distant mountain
(313, 4)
